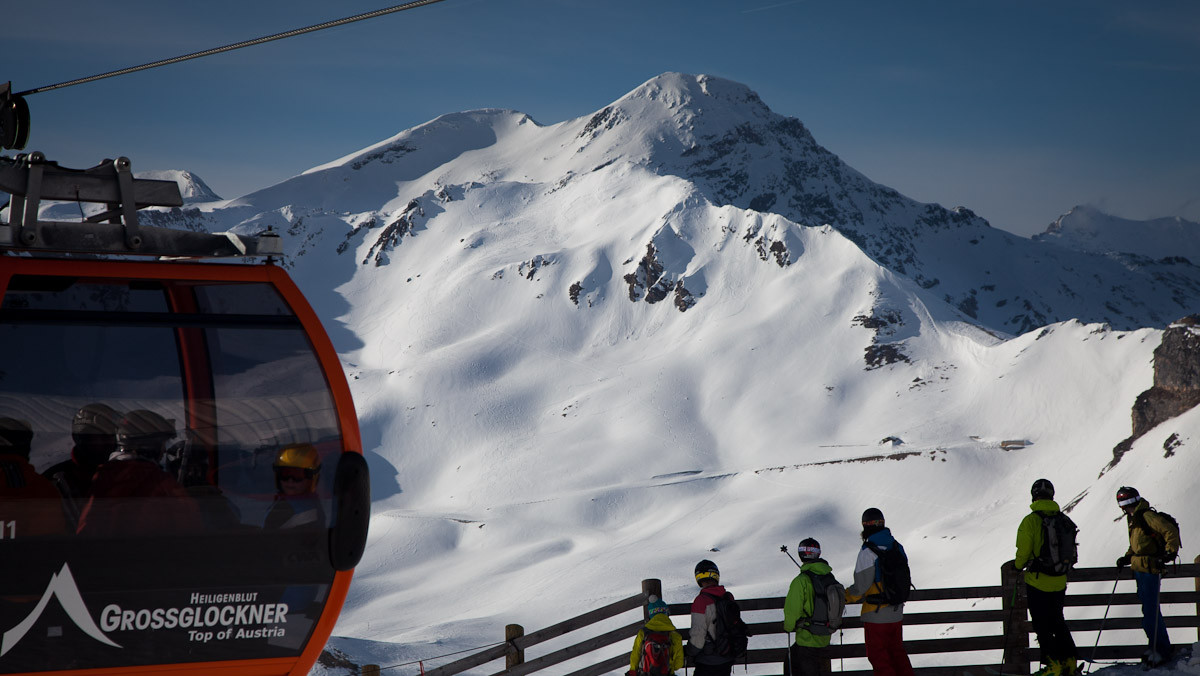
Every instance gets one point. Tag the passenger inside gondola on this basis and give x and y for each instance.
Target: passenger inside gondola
(297, 468)
(131, 493)
(94, 433)
(29, 503)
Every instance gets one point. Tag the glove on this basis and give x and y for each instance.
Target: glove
(1123, 561)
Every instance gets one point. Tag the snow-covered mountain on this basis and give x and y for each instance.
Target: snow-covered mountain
(1088, 229)
(729, 149)
(191, 187)
(594, 352)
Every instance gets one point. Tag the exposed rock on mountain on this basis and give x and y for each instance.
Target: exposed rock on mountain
(1176, 381)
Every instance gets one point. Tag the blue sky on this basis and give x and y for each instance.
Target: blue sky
(1019, 110)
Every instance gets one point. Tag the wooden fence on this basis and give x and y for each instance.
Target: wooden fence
(1012, 641)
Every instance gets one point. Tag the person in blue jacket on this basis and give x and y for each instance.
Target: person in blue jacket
(883, 625)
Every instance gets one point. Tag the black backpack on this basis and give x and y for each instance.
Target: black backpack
(829, 604)
(894, 575)
(1059, 551)
(1160, 542)
(732, 634)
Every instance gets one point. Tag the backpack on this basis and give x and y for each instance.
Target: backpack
(894, 575)
(829, 603)
(1059, 551)
(656, 654)
(732, 634)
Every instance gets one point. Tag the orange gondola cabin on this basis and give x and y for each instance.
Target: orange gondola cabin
(182, 488)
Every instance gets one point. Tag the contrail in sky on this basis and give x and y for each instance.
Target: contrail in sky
(781, 4)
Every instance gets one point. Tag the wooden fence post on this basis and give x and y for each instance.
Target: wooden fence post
(1016, 629)
(651, 586)
(515, 656)
(370, 670)
(1197, 560)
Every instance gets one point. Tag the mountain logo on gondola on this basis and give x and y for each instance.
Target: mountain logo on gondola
(62, 586)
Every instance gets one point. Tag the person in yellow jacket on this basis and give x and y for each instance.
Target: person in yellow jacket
(658, 647)
(1153, 540)
(1046, 591)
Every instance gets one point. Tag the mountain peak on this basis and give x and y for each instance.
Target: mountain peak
(682, 90)
(193, 189)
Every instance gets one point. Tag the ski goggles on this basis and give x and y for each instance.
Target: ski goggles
(293, 473)
(1132, 500)
(808, 552)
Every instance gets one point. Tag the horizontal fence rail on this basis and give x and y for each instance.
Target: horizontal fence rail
(1013, 640)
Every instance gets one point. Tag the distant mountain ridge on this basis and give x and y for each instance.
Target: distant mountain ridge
(191, 187)
(1086, 228)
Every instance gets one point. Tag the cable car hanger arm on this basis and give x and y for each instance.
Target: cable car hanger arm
(31, 179)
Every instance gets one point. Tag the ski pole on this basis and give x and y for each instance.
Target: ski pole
(1157, 616)
(1105, 618)
(842, 643)
(785, 551)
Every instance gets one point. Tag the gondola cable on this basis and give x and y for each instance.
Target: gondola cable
(237, 45)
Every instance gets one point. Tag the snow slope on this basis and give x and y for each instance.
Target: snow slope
(595, 352)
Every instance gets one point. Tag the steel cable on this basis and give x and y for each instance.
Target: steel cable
(237, 45)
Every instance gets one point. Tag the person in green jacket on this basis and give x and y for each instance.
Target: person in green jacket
(1046, 592)
(808, 655)
(658, 647)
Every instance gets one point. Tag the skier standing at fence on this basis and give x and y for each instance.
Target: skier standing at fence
(718, 636)
(658, 647)
(807, 612)
(1046, 565)
(883, 622)
(1153, 541)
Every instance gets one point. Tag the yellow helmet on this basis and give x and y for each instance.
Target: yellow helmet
(302, 457)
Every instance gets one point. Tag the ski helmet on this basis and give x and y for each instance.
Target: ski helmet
(809, 549)
(301, 460)
(1127, 496)
(1042, 489)
(144, 433)
(97, 419)
(16, 436)
(94, 431)
(707, 570)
